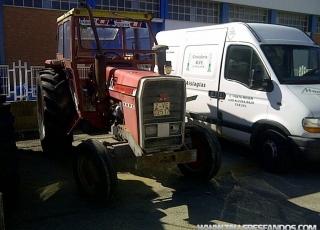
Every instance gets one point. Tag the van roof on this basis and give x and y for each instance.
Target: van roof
(275, 34)
(244, 32)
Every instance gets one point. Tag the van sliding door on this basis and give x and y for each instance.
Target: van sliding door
(201, 68)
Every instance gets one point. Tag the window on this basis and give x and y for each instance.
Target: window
(294, 64)
(18, 2)
(299, 21)
(195, 11)
(8, 2)
(238, 13)
(38, 3)
(243, 65)
(143, 38)
(28, 3)
(46, 4)
(149, 6)
(65, 6)
(66, 40)
(55, 5)
(60, 39)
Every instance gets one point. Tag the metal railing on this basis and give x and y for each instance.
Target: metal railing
(18, 83)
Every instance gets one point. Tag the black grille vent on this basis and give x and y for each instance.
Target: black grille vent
(151, 94)
(174, 90)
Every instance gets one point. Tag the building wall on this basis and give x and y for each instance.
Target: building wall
(317, 38)
(29, 34)
(298, 6)
(175, 24)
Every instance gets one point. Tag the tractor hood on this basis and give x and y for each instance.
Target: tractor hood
(126, 80)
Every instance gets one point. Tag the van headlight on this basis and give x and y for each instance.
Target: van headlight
(311, 125)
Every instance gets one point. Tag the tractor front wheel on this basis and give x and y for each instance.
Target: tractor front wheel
(94, 172)
(208, 154)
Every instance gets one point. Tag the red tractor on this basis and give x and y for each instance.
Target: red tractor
(103, 79)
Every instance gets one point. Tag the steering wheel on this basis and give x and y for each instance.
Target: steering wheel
(114, 54)
(312, 72)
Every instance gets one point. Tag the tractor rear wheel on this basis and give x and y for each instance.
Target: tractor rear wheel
(55, 111)
(94, 172)
(208, 154)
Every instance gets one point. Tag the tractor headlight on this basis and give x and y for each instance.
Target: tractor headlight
(311, 125)
(151, 130)
(175, 128)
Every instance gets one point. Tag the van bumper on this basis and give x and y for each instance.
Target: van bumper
(308, 148)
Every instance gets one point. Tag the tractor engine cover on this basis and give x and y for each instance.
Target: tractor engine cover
(153, 106)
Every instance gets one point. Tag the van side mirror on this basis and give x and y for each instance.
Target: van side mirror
(260, 81)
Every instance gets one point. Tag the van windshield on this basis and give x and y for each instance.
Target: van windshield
(294, 64)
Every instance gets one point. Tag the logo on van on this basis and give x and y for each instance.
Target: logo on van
(199, 62)
(311, 91)
(231, 33)
(196, 84)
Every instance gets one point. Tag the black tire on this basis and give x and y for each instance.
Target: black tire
(9, 160)
(273, 152)
(55, 111)
(94, 172)
(208, 154)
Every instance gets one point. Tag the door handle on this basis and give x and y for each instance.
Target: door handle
(217, 94)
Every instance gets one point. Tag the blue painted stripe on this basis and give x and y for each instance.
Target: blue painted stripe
(164, 9)
(224, 13)
(92, 3)
(163, 13)
(272, 17)
(312, 25)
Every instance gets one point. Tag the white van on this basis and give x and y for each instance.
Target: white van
(257, 84)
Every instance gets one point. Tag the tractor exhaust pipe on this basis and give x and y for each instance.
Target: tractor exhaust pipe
(160, 51)
(100, 64)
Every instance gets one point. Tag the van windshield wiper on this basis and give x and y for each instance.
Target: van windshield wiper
(314, 72)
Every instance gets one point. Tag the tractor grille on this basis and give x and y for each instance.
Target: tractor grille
(160, 131)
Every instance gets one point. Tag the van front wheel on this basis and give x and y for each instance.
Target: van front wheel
(273, 151)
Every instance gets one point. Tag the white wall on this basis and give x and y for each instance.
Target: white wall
(175, 24)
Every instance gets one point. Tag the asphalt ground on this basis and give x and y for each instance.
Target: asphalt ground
(161, 198)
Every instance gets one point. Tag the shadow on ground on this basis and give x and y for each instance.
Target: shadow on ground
(161, 198)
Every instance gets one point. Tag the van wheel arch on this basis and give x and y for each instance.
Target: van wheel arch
(271, 146)
(262, 125)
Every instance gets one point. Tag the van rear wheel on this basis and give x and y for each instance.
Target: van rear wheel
(273, 152)
(208, 154)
